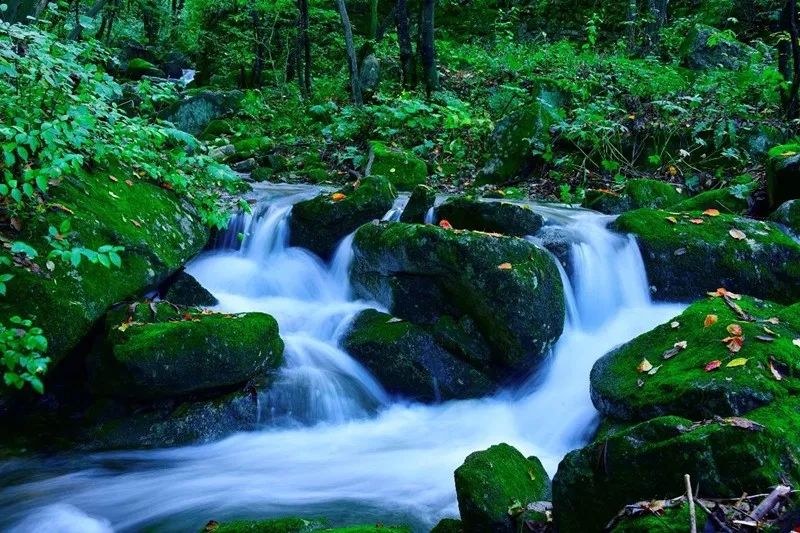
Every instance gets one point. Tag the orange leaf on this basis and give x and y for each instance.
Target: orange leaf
(737, 234)
(710, 320)
(735, 344)
(711, 212)
(713, 365)
(696, 221)
(504, 266)
(445, 224)
(735, 330)
(337, 196)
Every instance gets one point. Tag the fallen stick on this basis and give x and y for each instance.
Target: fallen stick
(770, 502)
(690, 497)
(720, 524)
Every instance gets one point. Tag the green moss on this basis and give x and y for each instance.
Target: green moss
(685, 260)
(448, 525)
(216, 128)
(783, 174)
(636, 193)
(424, 272)
(401, 167)
(321, 223)
(788, 214)
(681, 386)
(673, 519)
(421, 201)
(407, 360)
(204, 351)
(280, 525)
(493, 481)
(724, 200)
(494, 217)
(255, 147)
(138, 67)
(183, 289)
(649, 460)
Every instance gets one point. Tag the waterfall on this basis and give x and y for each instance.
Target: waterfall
(333, 443)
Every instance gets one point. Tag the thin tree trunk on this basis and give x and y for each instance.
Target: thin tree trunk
(304, 48)
(75, 33)
(790, 22)
(387, 23)
(630, 31)
(407, 66)
(428, 47)
(347, 28)
(373, 19)
(258, 48)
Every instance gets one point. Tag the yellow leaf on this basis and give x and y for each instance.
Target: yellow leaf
(710, 320)
(739, 361)
(337, 196)
(505, 266)
(711, 212)
(672, 220)
(644, 366)
(788, 154)
(737, 234)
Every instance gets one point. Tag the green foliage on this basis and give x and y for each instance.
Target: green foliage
(23, 347)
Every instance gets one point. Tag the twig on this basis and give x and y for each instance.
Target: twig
(720, 524)
(690, 497)
(770, 502)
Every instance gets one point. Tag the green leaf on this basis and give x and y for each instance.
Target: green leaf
(19, 247)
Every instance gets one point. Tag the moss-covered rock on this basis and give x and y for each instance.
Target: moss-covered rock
(218, 127)
(448, 525)
(514, 140)
(492, 484)
(138, 67)
(493, 217)
(253, 148)
(507, 288)
(262, 174)
(403, 168)
(726, 200)
(320, 223)
(648, 461)
(295, 525)
(788, 214)
(421, 201)
(680, 385)
(635, 194)
(672, 519)
(159, 233)
(706, 47)
(684, 259)
(184, 289)
(783, 174)
(406, 359)
(205, 351)
(194, 113)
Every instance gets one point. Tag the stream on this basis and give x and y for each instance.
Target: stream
(333, 443)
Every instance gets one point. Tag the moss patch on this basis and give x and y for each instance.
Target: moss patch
(401, 167)
(724, 200)
(493, 217)
(636, 194)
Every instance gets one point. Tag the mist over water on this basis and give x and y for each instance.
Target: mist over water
(333, 442)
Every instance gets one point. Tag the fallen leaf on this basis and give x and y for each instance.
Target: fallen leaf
(739, 361)
(644, 366)
(737, 234)
(136, 223)
(672, 170)
(445, 224)
(129, 183)
(640, 383)
(774, 321)
(653, 370)
(112, 178)
(675, 324)
(796, 342)
(765, 338)
(50, 266)
(16, 223)
(504, 266)
(680, 345)
(772, 368)
(679, 251)
(711, 212)
(767, 330)
(713, 365)
(697, 221)
(676, 348)
(337, 196)
(735, 330)
(710, 320)
(393, 320)
(673, 220)
(734, 344)
(724, 292)
(111, 193)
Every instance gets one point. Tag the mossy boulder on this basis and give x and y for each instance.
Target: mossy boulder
(261, 174)
(218, 127)
(198, 352)
(731, 200)
(507, 288)
(493, 217)
(788, 214)
(295, 525)
(158, 230)
(448, 525)
(672, 519)
(421, 201)
(253, 148)
(195, 112)
(635, 194)
(138, 67)
(706, 47)
(681, 385)
(493, 483)
(403, 168)
(726, 457)
(514, 141)
(184, 289)
(783, 174)
(685, 259)
(320, 223)
(407, 360)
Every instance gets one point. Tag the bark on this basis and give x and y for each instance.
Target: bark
(658, 17)
(303, 49)
(407, 66)
(428, 47)
(352, 62)
(373, 19)
(790, 25)
(630, 31)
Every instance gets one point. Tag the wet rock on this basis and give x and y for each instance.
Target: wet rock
(707, 48)
(783, 174)
(261, 174)
(636, 193)
(184, 289)
(321, 223)
(507, 287)
(421, 201)
(401, 167)
(788, 215)
(492, 484)
(407, 360)
(194, 113)
(672, 519)
(492, 217)
(448, 525)
(684, 260)
(138, 67)
(681, 385)
(295, 525)
(370, 75)
(723, 456)
(198, 352)
(223, 152)
(246, 165)
(731, 200)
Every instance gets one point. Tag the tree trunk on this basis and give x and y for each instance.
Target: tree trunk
(790, 24)
(658, 17)
(407, 66)
(428, 47)
(373, 19)
(75, 33)
(303, 49)
(630, 31)
(258, 48)
(387, 23)
(350, 49)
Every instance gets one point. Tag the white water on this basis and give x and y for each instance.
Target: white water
(342, 448)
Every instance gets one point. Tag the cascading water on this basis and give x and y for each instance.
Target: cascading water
(334, 444)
